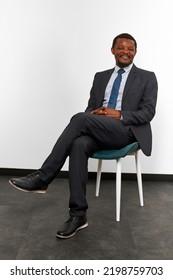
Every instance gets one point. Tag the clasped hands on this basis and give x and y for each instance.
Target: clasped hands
(107, 112)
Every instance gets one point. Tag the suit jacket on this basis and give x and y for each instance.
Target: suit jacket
(138, 102)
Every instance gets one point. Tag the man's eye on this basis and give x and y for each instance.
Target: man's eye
(131, 49)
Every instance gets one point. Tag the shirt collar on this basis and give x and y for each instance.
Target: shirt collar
(126, 69)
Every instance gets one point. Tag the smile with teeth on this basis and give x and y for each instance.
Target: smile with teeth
(124, 56)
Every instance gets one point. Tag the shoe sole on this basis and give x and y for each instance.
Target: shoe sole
(28, 191)
(71, 235)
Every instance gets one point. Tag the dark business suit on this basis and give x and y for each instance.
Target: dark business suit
(138, 103)
(87, 132)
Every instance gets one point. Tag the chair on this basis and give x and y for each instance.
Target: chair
(131, 149)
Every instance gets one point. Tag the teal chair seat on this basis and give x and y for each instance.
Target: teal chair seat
(114, 154)
(129, 150)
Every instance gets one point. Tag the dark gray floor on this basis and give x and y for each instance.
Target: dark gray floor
(28, 223)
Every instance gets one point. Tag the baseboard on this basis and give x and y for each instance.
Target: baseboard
(92, 175)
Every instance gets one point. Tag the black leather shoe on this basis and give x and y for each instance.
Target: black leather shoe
(71, 226)
(30, 183)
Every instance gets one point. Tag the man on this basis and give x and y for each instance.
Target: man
(109, 122)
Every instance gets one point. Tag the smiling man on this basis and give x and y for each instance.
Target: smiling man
(120, 108)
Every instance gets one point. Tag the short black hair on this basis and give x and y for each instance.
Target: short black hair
(126, 36)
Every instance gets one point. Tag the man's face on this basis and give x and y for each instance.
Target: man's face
(124, 52)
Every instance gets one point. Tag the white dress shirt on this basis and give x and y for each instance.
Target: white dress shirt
(122, 85)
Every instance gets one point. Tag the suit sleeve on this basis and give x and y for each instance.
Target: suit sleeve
(143, 109)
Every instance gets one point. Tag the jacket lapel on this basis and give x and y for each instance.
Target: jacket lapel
(105, 80)
(130, 80)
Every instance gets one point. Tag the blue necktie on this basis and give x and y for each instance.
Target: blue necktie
(115, 89)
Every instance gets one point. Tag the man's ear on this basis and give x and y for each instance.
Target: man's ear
(112, 51)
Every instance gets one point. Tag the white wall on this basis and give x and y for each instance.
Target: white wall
(49, 53)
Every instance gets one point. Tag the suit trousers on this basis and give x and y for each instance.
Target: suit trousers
(85, 134)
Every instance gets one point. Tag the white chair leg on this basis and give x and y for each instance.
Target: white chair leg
(99, 170)
(118, 189)
(139, 178)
